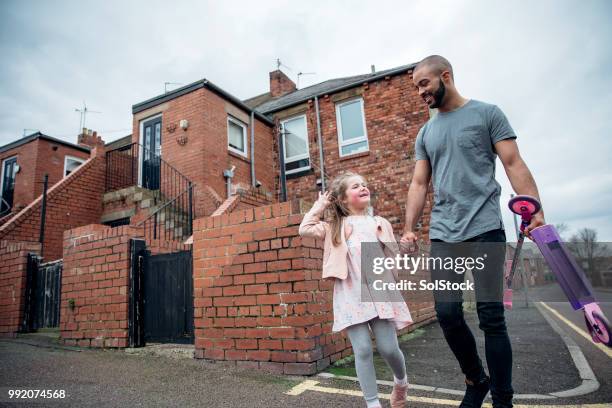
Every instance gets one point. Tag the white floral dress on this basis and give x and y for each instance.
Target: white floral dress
(353, 299)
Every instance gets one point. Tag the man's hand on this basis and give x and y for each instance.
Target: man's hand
(536, 221)
(408, 242)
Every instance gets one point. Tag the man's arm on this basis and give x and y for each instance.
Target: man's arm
(519, 175)
(416, 196)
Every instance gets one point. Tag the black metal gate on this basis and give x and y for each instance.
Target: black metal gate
(43, 293)
(161, 297)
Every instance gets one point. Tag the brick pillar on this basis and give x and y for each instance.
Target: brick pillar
(95, 285)
(258, 295)
(13, 274)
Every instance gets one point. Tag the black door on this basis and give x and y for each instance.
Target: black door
(8, 185)
(168, 297)
(43, 293)
(151, 153)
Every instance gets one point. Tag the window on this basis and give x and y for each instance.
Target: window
(117, 223)
(236, 136)
(9, 171)
(352, 135)
(295, 142)
(70, 164)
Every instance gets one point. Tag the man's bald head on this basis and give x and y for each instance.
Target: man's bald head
(437, 64)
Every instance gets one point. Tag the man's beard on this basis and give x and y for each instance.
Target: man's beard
(438, 95)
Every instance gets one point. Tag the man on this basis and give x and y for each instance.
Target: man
(457, 150)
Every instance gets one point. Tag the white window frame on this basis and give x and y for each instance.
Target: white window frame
(77, 159)
(141, 143)
(244, 137)
(299, 156)
(341, 142)
(2, 172)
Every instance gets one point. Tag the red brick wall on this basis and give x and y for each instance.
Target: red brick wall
(52, 162)
(95, 276)
(393, 114)
(243, 200)
(205, 155)
(35, 159)
(280, 84)
(258, 294)
(158, 246)
(13, 268)
(74, 201)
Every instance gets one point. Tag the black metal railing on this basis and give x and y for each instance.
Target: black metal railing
(173, 220)
(122, 167)
(135, 164)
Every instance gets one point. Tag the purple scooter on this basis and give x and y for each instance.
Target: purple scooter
(570, 276)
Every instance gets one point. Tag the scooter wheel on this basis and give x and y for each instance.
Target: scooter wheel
(517, 203)
(602, 331)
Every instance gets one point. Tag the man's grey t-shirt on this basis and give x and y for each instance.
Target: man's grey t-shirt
(459, 147)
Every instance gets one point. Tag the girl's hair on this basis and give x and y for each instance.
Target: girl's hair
(337, 191)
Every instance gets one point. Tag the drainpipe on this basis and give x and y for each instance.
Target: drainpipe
(252, 124)
(229, 174)
(320, 142)
(281, 155)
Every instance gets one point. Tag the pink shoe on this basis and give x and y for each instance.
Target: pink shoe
(398, 396)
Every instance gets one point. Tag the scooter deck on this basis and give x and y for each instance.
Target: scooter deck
(570, 275)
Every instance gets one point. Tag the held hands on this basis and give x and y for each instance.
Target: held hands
(408, 242)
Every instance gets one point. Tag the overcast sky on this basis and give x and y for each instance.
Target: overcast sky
(547, 64)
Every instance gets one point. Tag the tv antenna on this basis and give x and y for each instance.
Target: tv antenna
(170, 83)
(83, 112)
(300, 74)
(280, 64)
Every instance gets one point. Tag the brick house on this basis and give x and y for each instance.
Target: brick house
(225, 181)
(26, 160)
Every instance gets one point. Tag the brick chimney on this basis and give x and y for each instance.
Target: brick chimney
(280, 84)
(89, 138)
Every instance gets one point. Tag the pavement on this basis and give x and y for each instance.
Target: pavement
(554, 366)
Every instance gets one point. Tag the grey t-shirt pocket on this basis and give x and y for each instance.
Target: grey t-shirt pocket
(471, 137)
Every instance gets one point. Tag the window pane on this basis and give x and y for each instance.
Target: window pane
(295, 137)
(236, 139)
(147, 139)
(355, 148)
(158, 139)
(71, 165)
(297, 164)
(351, 120)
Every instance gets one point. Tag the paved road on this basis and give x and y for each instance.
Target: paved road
(110, 378)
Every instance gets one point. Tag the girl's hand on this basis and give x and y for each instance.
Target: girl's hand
(324, 200)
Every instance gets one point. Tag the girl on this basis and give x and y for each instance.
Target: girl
(354, 308)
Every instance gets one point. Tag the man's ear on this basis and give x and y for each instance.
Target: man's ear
(446, 76)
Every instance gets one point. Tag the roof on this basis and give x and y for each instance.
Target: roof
(117, 143)
(39, 135)
(258, 100)
(202, 83)
(269, 105)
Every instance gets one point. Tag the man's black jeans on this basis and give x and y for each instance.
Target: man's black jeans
(488, 284)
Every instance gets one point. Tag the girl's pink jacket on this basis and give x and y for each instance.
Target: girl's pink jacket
(334, 257)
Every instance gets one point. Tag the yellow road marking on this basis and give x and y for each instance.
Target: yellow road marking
(311, 385)
(578, 330)
(301, 387)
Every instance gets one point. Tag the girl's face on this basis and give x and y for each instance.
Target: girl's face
(357, 194)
